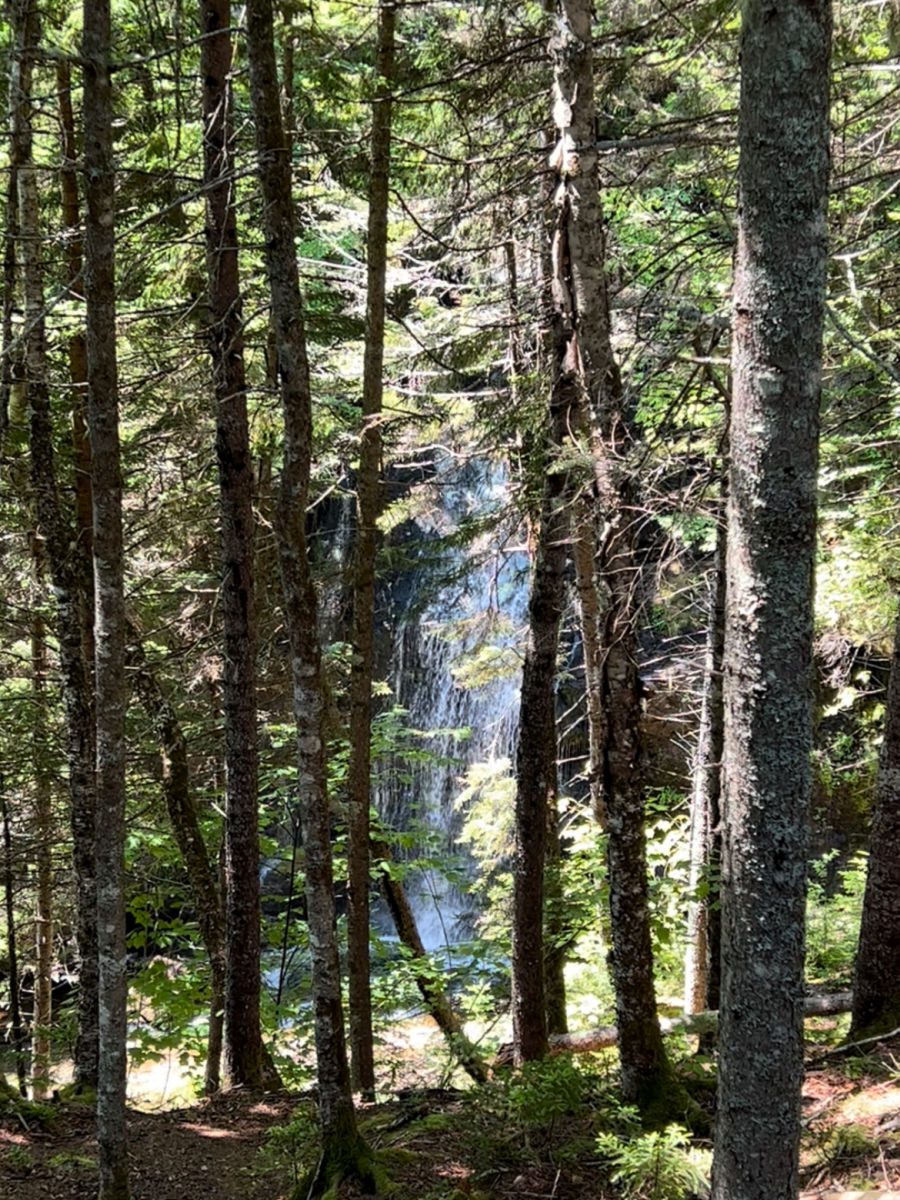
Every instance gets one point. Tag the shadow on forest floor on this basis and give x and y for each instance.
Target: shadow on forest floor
(495, 1144)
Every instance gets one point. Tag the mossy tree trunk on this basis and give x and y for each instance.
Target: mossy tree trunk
(778, 309)
(343, 1149)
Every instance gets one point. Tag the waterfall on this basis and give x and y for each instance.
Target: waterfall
(455, 667)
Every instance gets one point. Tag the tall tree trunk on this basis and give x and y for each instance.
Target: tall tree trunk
(201, 872)
(702, 958)
(585, 355)
(243, 1039)
(779, 294)
(368, 485)
(81, 782)
(54, 528)
(343, 1150)
(43, 832)
(536, 780)
(77, 355)
(109, 619)
(876, 987)
(9, 899)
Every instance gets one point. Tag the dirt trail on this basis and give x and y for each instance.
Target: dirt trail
(205, 1151)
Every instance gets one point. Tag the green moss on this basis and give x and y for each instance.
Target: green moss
(435, 1122)
(72, 1093)
(30, 1111)
(396, 1154)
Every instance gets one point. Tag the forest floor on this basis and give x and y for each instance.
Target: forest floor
(508, 1140)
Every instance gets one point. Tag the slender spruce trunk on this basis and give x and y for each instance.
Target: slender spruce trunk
(876, 986)
(368, 506)
(55, 530)
(555, 939)
(109, 619)
(702, 953)
(17, 1032)
(43, 834)
(585, 355)
(77, 355)
(82, 785)
(243, 1038)
(536, 779)
(778, 308)
(343, 1150)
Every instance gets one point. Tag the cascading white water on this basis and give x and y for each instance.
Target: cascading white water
(456, 670)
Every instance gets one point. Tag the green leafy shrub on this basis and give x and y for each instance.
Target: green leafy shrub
(657, 1166)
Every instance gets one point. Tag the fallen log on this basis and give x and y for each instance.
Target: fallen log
(692, 1024)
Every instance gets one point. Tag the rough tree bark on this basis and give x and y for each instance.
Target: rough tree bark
(343, 1150)
(109, 618)
(876, 986)
(778, 307)
(581, 316)
(368, 493)
(243, 1038)
(55, 530)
